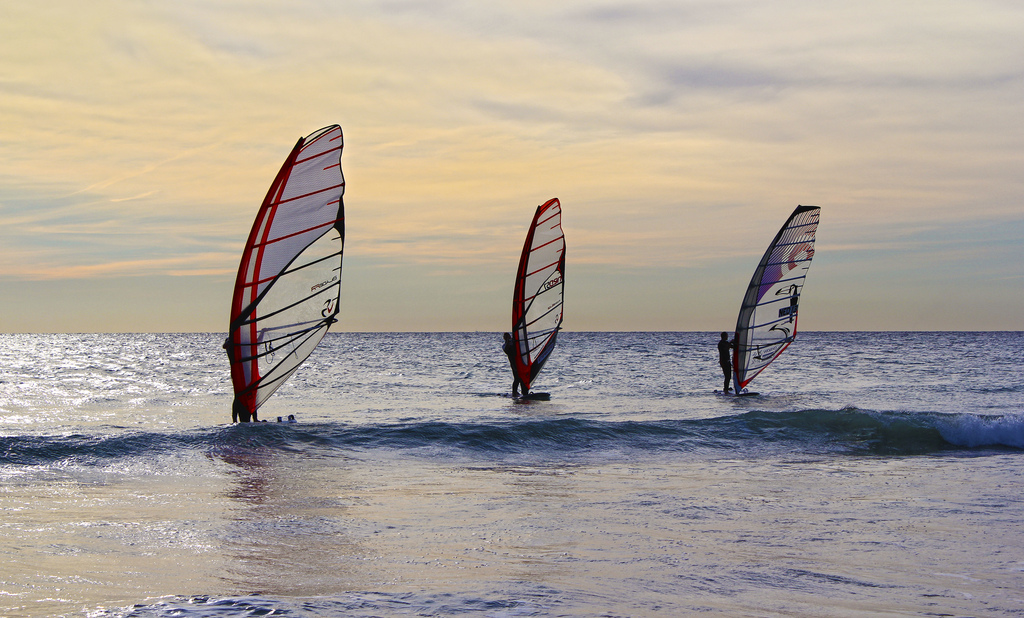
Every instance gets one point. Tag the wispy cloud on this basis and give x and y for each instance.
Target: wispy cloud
(139, 138)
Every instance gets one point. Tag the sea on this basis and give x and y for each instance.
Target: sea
(876, 474)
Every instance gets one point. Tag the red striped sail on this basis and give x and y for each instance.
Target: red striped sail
(288, 287)
(537, 299)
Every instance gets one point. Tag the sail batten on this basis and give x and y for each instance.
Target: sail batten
(293, 234)
(287, 292)
(283, 201)
(291, 338)
(539, 247)
(326, 257)
(542, 268)
(297, 303)
(788, 261)
(541, 317)
(321, 154)
(777, 280)
(536, 320)
(244, 320)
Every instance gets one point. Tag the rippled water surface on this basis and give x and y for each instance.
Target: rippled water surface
(875, 474)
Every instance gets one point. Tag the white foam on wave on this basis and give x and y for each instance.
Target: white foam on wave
(971, 431)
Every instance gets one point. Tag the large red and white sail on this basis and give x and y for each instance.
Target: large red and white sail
(767, 320)
(287, 292)
(537, 300)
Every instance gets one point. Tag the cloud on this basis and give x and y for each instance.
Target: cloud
(141, 137)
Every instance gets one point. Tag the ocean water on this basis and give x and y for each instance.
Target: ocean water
(876, 474)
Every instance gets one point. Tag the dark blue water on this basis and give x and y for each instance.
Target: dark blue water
(758, 433)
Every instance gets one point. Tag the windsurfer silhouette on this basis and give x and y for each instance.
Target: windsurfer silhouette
(240, 413)
(509, 348)
(725, 348)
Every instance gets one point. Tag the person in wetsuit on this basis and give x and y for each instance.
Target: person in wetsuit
(725, 348)
(509, 348)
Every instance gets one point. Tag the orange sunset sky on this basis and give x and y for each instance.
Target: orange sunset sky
(138, 139)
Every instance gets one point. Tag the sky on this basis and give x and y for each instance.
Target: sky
(138, 138)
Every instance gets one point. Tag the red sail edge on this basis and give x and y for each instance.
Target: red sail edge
(245, 373)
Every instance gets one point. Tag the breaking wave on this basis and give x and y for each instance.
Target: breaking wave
(847, 431)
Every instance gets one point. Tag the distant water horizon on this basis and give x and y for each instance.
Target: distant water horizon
(342, 330)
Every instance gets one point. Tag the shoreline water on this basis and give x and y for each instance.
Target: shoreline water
(412, 485)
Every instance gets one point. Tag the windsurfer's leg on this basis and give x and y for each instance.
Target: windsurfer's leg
(727, 371)
(515, 379)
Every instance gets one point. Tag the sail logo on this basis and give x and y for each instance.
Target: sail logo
(552, 283)
(766, 353)
(794, 297)
(323, 284)
(800, 253)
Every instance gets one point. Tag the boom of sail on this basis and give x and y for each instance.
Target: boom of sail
(288, 289)
(537, 299)
(767, 320)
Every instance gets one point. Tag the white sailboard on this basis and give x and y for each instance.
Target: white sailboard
(538, 294)
(768, 315)
(288, 289)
